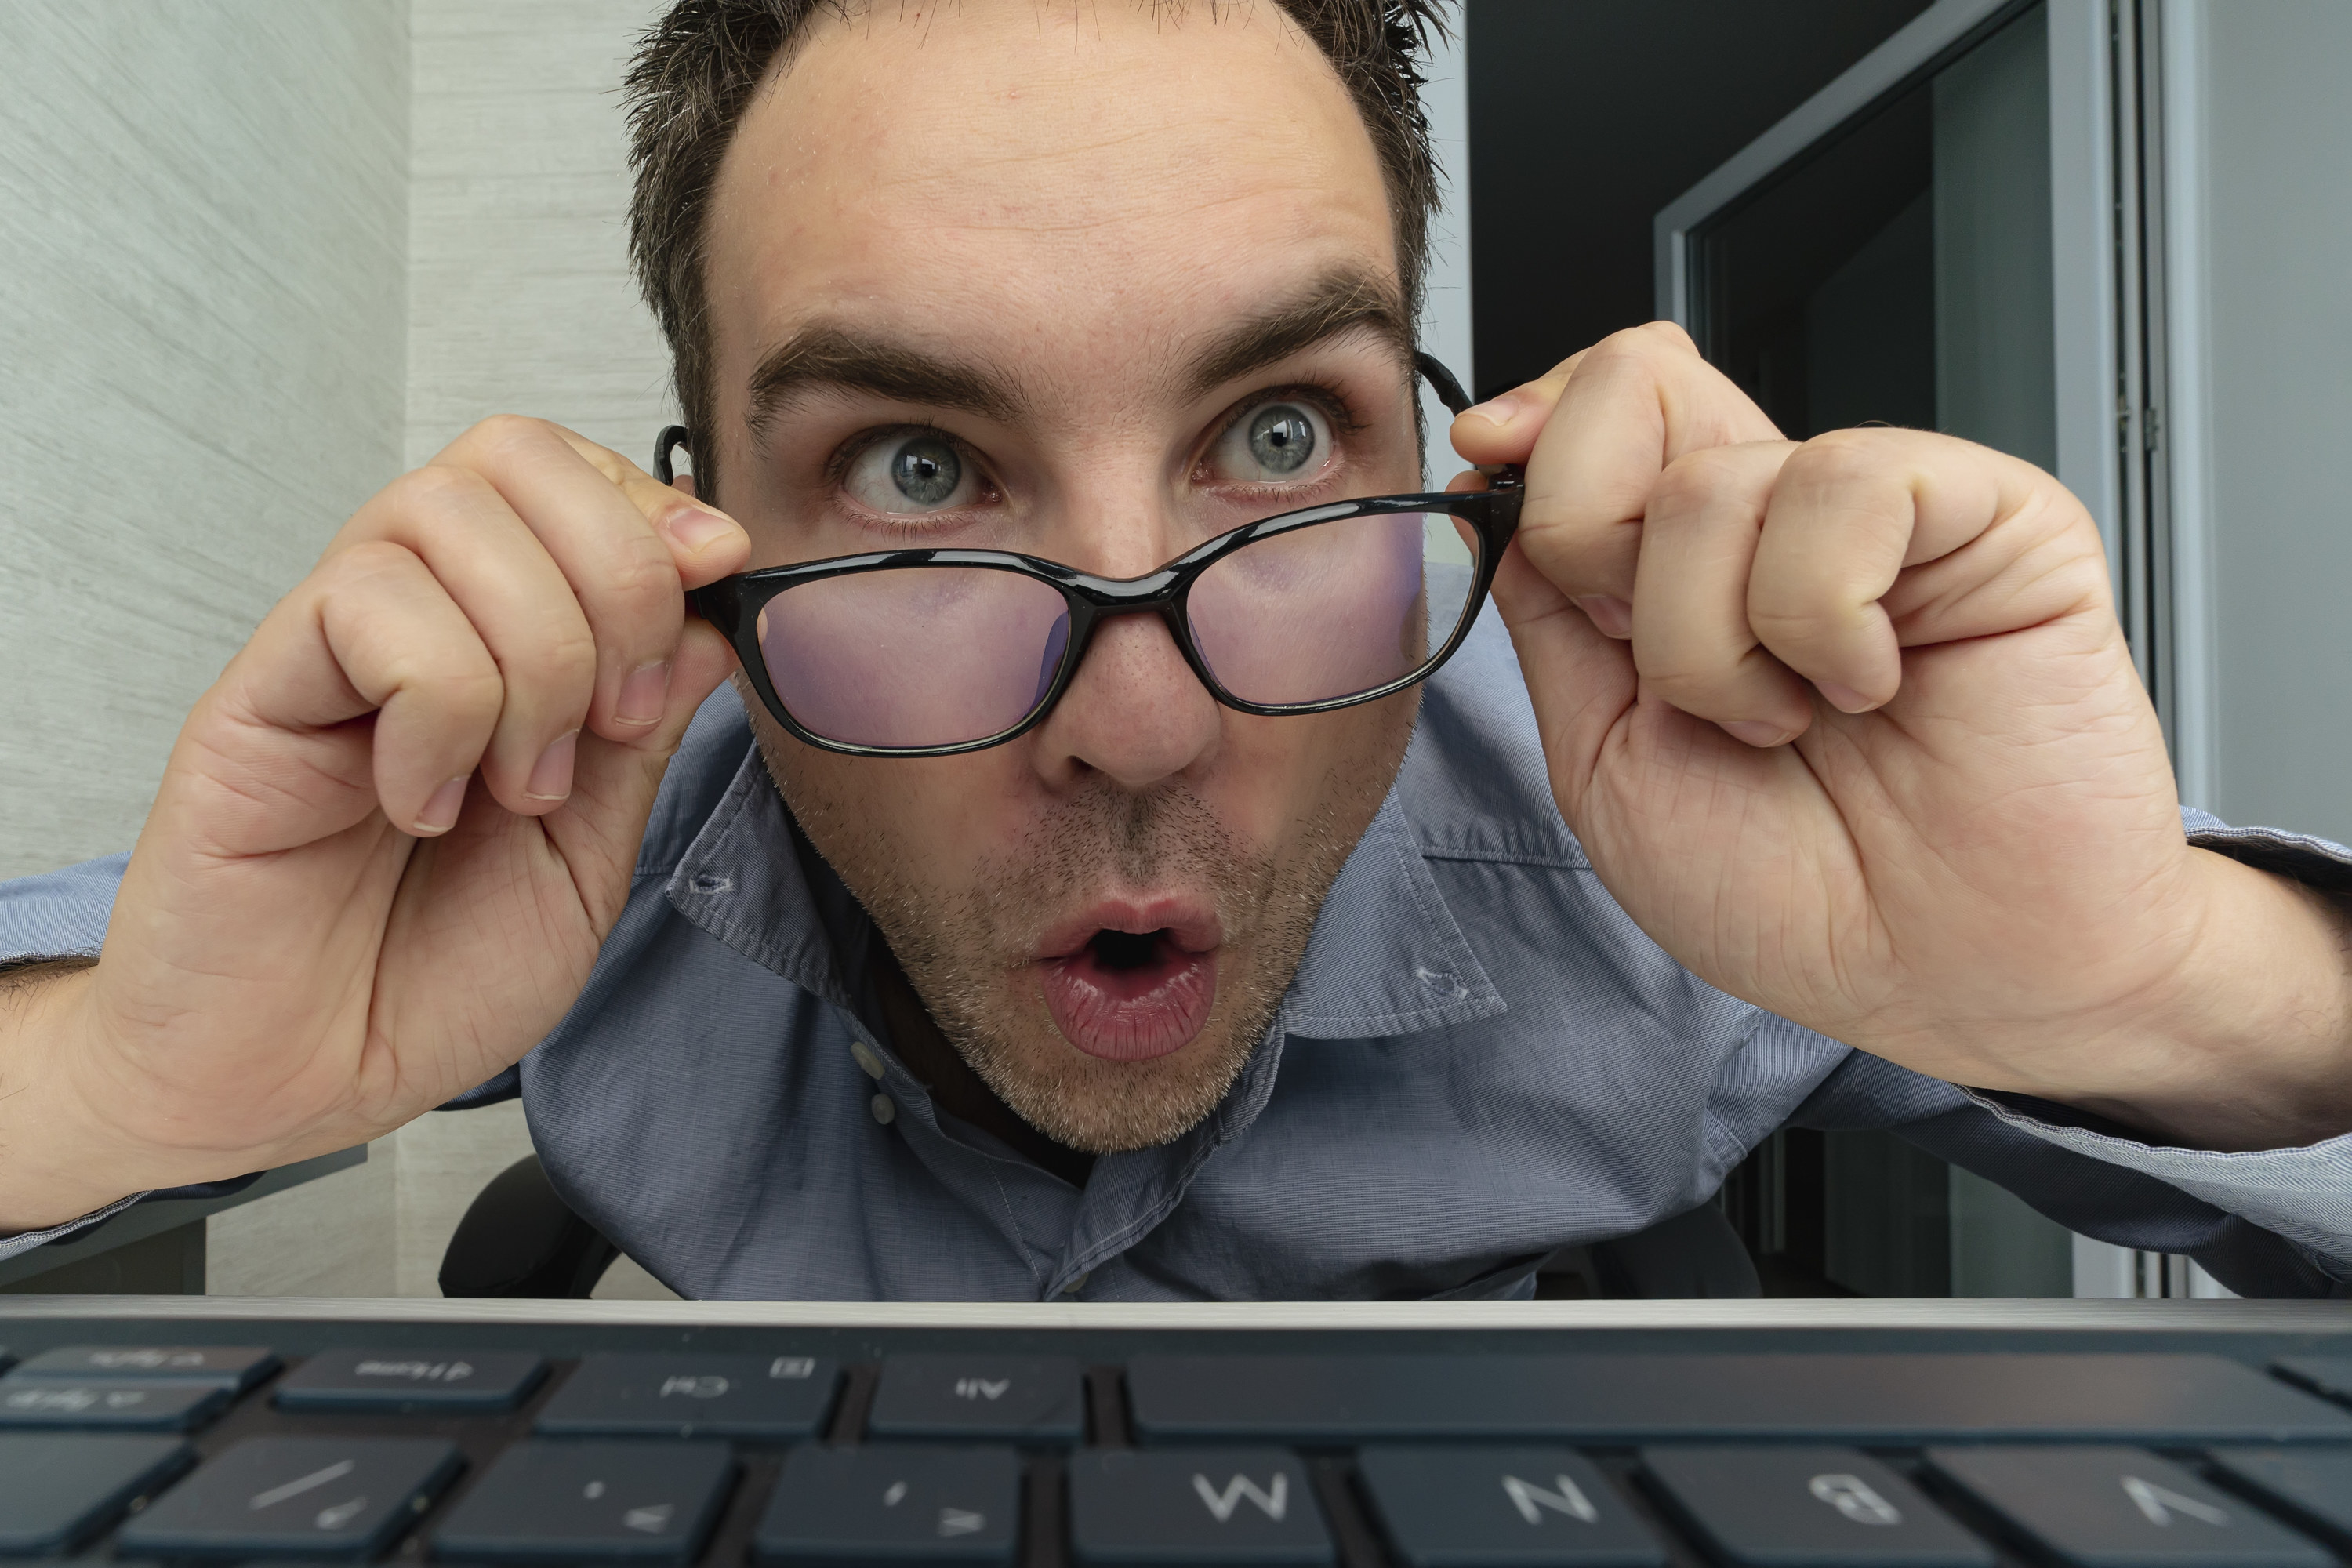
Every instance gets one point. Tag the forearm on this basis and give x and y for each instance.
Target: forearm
(2249, 1046)
(57, 1160)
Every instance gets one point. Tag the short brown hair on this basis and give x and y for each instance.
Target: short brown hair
(695, 68)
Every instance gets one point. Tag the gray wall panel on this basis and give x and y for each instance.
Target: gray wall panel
(2277, 240)
(202, 310)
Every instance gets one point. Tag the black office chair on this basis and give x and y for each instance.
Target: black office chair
(519, 1238)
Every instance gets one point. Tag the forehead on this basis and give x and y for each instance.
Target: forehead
(1098, 184)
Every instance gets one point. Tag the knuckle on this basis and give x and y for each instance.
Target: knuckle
(434, 492)
(1841, 459)
(640, 576)
(367, 566)
(561, 658)
(505, 432)
(1700, 476)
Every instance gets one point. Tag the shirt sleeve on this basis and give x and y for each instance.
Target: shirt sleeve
(2270, 1222)
(59, 914)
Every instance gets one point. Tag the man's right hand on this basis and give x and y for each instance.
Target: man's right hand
(390, 839)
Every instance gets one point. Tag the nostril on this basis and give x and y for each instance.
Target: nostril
(1126, 949)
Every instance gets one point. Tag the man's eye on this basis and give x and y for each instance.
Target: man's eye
(1273, 443)
(904, 474)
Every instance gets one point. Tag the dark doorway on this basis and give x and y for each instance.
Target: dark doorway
(1587, 118)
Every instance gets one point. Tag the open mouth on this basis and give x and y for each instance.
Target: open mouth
(1129, 995)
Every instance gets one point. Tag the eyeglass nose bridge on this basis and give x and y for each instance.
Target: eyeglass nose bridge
(1095, 600)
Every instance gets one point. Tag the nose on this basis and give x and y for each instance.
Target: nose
(1134, 713)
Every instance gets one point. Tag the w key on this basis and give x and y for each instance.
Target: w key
(1221, 1508)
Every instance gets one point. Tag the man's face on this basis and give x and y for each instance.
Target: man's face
(1083, 286)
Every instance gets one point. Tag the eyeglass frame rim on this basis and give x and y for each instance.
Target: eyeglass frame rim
(733, 604)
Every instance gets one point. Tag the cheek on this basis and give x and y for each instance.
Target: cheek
(924, 822)
(1282, 779)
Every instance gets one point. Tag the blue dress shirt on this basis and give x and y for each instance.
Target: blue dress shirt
(1481, 1061)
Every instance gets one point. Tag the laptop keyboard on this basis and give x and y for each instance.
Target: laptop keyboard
(972, 1449)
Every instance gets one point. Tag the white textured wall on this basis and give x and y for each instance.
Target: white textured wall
(520, 296)
(203, 209)
(203, 291)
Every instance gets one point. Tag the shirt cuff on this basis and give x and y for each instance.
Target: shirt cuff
(25, 1241)
(2302, 1194)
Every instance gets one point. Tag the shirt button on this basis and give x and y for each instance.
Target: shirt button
(868, 1059)
(884, 1111)
(1075, 1285)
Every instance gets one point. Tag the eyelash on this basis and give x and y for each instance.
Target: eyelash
(1327, 400)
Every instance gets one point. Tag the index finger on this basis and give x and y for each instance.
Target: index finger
(1595, 434)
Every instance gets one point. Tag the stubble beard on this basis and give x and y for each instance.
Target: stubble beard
(966, 951)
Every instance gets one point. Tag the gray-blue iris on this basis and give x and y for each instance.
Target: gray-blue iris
(1281, 438)
(926, 470)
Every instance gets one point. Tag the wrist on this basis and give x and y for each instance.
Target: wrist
(2247, 1042)
(63, 1153)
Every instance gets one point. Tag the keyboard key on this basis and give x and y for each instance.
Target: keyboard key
(777, 1398)
(2120, 1508)
(125, 1406)
(555, 1501)
(893, 1505)
(411, 1380)
(2327, 1374)
(295, 1497)
(1775, 1508)
(1503, 1508)
(236, 1367)
(1632, 1399)
(2315, 1483)
(1041, 1398)
(1211, 1507)
(57, 1491)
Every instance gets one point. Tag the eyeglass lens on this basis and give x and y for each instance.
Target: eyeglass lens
(942, 656)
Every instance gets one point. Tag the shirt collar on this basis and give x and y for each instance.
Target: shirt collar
(1386, 956)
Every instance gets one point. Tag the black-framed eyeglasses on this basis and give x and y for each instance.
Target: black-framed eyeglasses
(926, 653)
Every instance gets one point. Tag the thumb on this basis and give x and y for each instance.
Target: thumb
(1580, 682)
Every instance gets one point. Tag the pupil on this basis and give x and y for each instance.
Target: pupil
(926, 470)
(1281, 439)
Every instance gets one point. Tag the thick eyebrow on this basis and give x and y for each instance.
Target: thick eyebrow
(824, 354)
(1333, 306)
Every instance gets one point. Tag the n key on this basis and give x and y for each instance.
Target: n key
(1209, 1506)
(1503, 1508)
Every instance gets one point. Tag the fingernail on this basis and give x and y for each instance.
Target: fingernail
(696, 527)
(1612, 616)
(1846, 700)
(551, 776)
(1755, 733)
(1495, 411)
(440, 812)
(643, 695)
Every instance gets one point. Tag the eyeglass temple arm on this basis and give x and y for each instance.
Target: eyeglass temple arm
(1449, 392)
(1500, 475)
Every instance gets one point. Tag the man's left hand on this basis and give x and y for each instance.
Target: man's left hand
(1850, 728)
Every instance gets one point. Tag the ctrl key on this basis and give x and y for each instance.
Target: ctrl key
(561, 1502)
(56, 1492)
